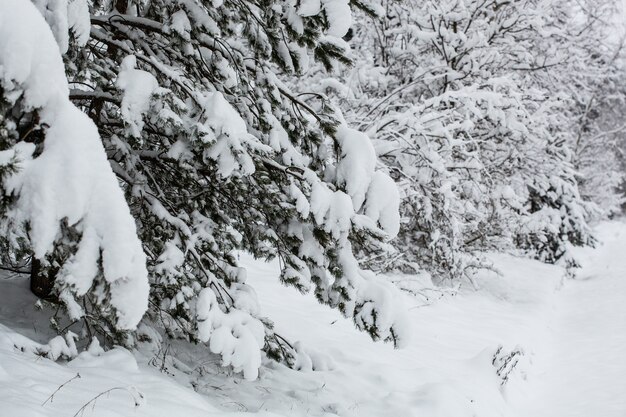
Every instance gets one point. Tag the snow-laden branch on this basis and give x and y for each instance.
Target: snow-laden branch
(70, 180)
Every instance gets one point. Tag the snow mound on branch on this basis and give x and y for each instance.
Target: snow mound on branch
(181, 24)
(235, 335)
(377, 306)
(373, 191)
(64, 16)
(138, 87)
(79, 20)
(339, 17)
(383, 203)
(29, 57)
(337, 12)
(228, 135)
(72, 178)
(331, 209)
(357, 163)
(309, 7)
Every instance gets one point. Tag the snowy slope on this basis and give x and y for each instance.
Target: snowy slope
(27, 381)
(569, 337)
(446, 370)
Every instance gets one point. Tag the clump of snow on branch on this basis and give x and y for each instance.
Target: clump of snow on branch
(357, 163)
(373, 191)
(383, 203)
(65, 16)
(337, 12)
(339, 16)
(228, 135)
(138, 87)
(377, 306)
(234, 334)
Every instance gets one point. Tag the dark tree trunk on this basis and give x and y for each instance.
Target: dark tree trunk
(121, 6)
(42, 280)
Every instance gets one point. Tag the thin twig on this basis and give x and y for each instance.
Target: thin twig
(94, 399)
(51, 397)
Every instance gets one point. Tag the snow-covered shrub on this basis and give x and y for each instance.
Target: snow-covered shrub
(595, 69)
(468, 105)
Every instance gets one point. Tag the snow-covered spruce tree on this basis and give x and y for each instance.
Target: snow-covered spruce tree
(448, 91)
(215, 155)
(54, 174)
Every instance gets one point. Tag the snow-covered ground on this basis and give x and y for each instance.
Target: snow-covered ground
(581, 370)
(559, 345)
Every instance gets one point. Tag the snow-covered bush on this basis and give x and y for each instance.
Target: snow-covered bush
(595, 69)
(469, 107)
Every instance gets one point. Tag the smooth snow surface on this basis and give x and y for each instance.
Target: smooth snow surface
(582, 370)
(570, 334)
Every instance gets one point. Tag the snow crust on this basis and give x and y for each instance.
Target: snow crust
(581, 370)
